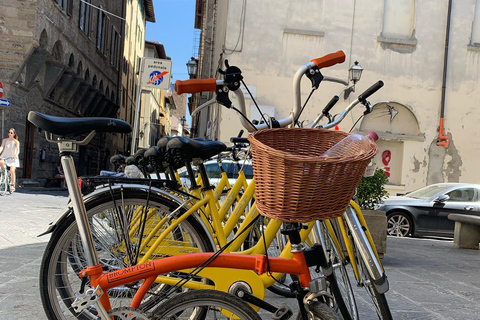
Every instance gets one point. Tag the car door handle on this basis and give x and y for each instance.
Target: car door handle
(469, 208)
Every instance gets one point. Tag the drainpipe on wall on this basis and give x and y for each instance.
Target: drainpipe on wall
(445, 140)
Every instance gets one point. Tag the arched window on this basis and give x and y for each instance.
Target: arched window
(79, 68)
(71, 61)
(87, 75)
(43, 39)
(57, 52)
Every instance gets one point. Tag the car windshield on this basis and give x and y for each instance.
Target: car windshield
(427, 192)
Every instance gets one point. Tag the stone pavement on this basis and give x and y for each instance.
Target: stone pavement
(429, 279)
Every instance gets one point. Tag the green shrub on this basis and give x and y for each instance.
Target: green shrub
(370, 191)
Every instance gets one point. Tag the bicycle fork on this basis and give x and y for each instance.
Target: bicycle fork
(367, 253)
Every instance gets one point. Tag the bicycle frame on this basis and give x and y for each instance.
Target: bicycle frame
(149, 271)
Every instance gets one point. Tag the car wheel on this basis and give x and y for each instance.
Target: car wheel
(399, 224)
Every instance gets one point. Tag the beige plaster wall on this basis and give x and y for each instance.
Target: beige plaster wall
(280, 36)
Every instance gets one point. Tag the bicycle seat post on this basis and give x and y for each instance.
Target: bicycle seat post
(66, 147)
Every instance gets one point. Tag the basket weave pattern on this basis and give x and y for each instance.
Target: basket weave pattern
(293, 183)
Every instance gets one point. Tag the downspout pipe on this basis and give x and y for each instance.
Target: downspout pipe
(444, 139)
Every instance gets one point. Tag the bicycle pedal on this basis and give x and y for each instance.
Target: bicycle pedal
(282, 313)
(89, 298)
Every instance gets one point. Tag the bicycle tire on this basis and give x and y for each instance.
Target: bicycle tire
(321, 311)
(204, 304)
(63, 260)
(379, 299)
(3, 182)
(339, 281)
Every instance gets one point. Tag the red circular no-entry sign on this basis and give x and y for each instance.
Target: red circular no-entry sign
(1, 89)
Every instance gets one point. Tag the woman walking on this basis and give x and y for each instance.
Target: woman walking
(9, 151)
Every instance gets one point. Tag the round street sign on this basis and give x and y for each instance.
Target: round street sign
(1, 90)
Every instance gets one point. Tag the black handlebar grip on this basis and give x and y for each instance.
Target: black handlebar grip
(367, 93)
(239, 140)
(240, 133)
(330, 105)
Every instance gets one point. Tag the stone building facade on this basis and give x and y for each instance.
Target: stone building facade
(63, 58)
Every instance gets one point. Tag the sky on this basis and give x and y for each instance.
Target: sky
(174, 29)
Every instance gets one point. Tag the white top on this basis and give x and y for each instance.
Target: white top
(9, 152)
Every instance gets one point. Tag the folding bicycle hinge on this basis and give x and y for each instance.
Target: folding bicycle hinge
(90, 297)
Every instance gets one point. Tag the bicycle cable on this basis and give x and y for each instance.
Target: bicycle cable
(356, 122)
(256, 105)
(245, 117)
(304, 105)
(204, 264)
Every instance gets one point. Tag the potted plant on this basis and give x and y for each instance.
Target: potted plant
(370, 193)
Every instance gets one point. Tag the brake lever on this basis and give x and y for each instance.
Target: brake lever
(315, 77)
(368, 107)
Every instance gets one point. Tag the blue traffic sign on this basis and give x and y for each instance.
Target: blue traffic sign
(4, 102)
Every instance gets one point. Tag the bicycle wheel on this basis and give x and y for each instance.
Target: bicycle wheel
(114, 241)
(320, 311)
(338, 281)
(357, 233)
(379, 300)
(205, 304)
(3, 182)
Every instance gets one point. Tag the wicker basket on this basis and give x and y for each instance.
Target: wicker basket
(293, 183)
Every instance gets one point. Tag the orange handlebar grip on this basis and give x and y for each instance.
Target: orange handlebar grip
(330, 59)
(195, 85)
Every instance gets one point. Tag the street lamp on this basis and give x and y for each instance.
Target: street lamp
(354, 75)
(182, 121)
(355, 72)
(192, 67)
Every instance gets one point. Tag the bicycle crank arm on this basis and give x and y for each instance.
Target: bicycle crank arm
(281, 313)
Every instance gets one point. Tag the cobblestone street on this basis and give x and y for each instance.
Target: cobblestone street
(429, 279)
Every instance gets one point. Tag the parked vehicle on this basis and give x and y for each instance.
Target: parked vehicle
(425, 211)
(214, 173)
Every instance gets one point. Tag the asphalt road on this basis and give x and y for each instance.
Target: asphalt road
(429, 279)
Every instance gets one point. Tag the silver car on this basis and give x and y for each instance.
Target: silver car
(425, 211)
(214, 172)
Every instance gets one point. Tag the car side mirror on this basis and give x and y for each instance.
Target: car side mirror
(442, 198)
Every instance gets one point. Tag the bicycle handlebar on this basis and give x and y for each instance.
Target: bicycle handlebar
(367, 93)
(329, 59)
(195, 85)
(330, 105)
(199, 85)
(361, 99)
